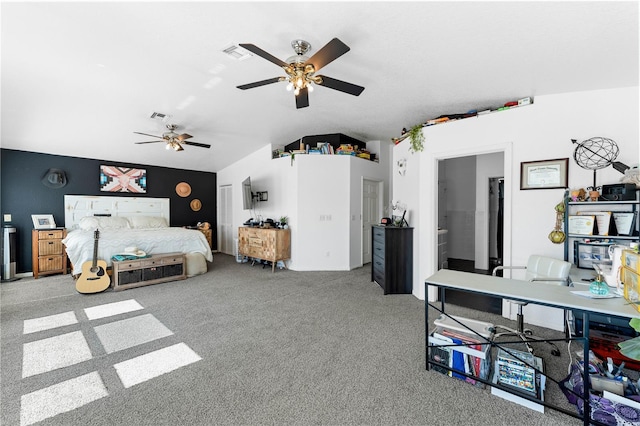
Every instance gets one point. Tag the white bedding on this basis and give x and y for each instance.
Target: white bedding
(79, 244)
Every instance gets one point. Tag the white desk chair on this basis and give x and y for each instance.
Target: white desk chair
(539, 269)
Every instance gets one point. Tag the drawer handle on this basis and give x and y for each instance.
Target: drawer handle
(50, 242)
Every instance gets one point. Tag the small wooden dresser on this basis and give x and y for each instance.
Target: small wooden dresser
(265, 243)
(47, 250)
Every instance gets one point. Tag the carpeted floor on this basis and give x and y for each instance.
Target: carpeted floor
(239, 345)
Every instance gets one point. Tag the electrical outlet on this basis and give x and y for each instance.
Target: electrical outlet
(7, 218)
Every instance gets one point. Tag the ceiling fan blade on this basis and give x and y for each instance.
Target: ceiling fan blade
(302, 98)
(180, 148)
(343, 86)
(147, 134)
(330, 52)
(269, 57)
(260, 83)
(201, 145)
(149, 142)
(184, 136)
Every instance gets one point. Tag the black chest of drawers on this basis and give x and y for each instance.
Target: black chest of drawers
(392, 258)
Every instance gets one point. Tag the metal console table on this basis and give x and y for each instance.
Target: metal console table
(553, 296)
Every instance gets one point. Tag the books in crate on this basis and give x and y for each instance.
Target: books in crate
(519, 376)
(472, 357)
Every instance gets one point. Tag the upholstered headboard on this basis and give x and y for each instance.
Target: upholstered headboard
(78, 206)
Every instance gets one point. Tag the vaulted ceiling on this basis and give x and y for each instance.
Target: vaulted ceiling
(79, 78)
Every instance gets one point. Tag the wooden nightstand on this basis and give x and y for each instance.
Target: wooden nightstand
(47, 250)
(209, 236)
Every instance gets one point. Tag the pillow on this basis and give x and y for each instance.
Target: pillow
(148, 222)
(90, 223)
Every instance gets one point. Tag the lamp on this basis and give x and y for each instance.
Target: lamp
(299, 75)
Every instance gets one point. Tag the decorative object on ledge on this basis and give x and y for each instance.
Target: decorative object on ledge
(471, 113)
(597, 153)
(545, 174)
(417, 138)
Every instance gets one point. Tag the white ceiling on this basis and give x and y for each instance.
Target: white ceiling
(79, 78)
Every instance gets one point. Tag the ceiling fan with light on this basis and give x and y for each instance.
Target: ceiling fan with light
(301, 70)
(172, 139)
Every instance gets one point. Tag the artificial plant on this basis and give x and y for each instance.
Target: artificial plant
(631, 348)
(417, 138)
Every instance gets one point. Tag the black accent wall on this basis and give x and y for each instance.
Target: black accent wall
(23, 193)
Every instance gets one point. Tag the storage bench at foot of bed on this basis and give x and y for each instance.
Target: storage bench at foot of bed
(155, 269)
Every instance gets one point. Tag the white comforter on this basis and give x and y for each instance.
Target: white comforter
(79, 244)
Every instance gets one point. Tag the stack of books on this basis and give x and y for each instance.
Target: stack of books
(518, 374)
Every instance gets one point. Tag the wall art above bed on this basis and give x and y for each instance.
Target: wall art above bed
(123, 179)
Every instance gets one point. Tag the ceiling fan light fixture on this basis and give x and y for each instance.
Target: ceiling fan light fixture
(309, 87)
(289, 87)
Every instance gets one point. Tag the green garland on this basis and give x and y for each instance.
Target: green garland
(417, 138)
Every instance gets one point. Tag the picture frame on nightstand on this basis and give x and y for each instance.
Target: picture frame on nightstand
(43, 221)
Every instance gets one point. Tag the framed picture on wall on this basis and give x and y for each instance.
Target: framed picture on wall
(43, 221)
(545, 174)
(123, 179)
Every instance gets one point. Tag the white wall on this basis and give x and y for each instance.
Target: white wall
(540, 131)
(321, 195)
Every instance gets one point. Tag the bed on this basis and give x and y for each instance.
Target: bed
(124, 222)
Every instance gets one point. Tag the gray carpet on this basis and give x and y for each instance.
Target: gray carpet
(261, 348)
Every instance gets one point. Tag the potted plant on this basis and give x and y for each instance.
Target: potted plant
(283, 222)
(417, 138)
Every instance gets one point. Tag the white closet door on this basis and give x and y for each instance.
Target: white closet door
(225, 222)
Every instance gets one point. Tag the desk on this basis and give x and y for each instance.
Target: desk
(554, 296)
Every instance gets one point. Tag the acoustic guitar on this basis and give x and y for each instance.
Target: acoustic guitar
(93, 278)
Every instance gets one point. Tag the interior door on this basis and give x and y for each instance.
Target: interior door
(370, 215)
(225, 222)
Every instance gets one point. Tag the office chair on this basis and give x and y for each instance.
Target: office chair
(539, 269)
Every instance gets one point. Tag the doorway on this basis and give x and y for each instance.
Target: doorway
(465, 204)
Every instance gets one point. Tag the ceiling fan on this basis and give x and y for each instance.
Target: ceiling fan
(301, 70)
(173, 140)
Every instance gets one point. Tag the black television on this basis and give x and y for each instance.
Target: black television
(247, 195)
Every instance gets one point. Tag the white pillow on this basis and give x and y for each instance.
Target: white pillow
(90, 223)
(148, 222)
